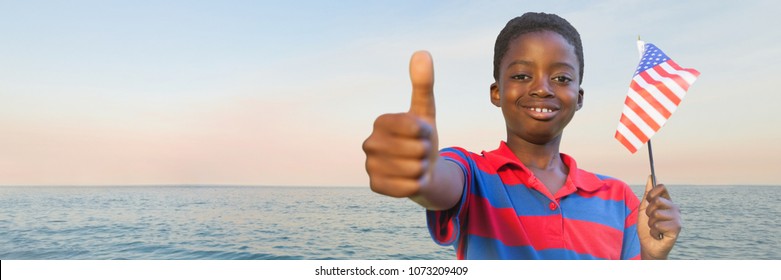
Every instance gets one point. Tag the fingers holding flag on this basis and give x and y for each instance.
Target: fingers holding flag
(663, 215)
(659, 222)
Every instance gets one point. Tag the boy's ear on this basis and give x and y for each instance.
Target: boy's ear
(495, 97)
(580, 98)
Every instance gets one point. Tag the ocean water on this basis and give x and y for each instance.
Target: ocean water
(233, 222)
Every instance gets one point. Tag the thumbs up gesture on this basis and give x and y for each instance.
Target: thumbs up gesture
(402, 150)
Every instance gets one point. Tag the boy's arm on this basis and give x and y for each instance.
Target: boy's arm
(445, 188)
(402, 153)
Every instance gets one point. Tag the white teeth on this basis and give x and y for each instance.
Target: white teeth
(541, 110)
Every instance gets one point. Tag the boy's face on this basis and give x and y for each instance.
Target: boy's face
(538, 87)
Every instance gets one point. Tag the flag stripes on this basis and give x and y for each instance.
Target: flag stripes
(656, 90)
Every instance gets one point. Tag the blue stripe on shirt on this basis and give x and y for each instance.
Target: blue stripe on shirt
(595, 209)
(492, 249)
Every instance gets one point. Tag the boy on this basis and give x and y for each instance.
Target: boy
(524, 200)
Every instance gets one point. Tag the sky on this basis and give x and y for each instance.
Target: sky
(284, 94)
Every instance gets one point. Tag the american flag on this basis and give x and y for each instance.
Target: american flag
(656, 90)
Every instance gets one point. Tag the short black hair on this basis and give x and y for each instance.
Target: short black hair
(532, 22)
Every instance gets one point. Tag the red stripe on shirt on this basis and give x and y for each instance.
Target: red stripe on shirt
(509, 177)
(595, 239)
(446, 223)
(484, 166)
(631, 219)
(458, 158)
(496, 223)
(615, 194)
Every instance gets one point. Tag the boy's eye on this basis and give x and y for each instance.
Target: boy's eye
(562, 79)
(520, 77)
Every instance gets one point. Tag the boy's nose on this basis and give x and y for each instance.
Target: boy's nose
(541, 89)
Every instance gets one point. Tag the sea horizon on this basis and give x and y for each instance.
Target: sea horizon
(217, 222)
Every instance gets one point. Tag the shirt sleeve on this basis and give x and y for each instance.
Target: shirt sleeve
(630, 249)
(445, 225)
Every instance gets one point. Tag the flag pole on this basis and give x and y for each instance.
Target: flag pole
(651, 158)
(641, 50)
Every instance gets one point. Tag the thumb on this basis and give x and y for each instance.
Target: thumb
(643, 229)
(649, 185)
(421, 74)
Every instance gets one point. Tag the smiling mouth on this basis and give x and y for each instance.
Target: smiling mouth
(541, 110)
(541, 113)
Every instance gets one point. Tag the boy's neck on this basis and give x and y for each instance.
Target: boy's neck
(544, 161)
(535, 156)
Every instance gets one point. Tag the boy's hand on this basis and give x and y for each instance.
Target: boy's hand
(403, 148)
(658, 222)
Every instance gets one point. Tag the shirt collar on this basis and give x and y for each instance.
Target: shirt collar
(581, 179)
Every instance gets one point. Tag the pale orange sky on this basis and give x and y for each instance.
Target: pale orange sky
(285, 95)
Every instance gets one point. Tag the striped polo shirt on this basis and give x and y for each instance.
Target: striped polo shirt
(507, 213)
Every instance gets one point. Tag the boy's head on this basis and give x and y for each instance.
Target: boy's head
(532, 22)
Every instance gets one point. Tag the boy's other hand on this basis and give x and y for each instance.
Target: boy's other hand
(658, 222)
(403, 148)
